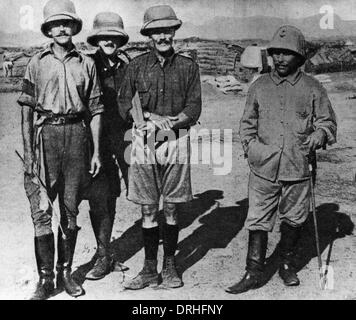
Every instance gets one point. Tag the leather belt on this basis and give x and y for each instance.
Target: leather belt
(64, 119)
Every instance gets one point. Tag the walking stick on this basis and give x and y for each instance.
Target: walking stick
(312, 185)
(49, 200)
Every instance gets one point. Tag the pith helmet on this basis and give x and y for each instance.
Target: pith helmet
(290, 38)
(162, 16)
(108, 24)
(55, 10)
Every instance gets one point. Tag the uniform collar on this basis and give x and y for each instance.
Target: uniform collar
(153, 58)
(105, 61)
(49, 50)
(292, 78)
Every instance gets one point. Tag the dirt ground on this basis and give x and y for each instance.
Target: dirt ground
(212, 240)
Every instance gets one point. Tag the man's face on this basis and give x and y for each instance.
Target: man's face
(286, 62)
(109, 45)
(162, 39)
(62, 31)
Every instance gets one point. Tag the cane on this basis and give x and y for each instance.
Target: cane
(49, 200)
(321, 274)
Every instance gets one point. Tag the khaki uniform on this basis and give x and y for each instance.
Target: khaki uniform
(61, 93)
(279, 115)
(166, 91)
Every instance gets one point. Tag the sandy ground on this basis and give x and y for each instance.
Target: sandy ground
(212, 241)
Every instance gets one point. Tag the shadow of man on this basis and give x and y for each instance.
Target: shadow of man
(332, 225)
(130, 242)
(217, 230)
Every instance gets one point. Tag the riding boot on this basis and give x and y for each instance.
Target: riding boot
(102, 226)
(66, 248)
(256, 255)
(44, 251)
(287, 270)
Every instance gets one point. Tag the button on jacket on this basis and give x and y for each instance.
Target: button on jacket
(61, 87)
(166, 90)
(279, 115)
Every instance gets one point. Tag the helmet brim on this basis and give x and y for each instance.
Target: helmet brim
(96, 35)
(46, 25)
(271, 49)
(158, 24)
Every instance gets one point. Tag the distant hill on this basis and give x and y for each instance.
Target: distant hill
(229, 28)
(262, 27)
(25, 38)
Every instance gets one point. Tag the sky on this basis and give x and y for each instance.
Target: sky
(194, 11)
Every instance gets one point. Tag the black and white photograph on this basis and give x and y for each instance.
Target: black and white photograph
(189, 151)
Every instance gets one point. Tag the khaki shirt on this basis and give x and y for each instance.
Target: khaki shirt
(279, 115)
(166, 90)
(61, 87)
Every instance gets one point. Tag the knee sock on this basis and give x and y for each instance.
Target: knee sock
(170, 239)
(151, 241)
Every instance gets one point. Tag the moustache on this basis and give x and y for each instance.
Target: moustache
(163, 42)
(62, 34)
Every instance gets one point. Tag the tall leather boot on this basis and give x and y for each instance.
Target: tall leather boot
(44, 251)
(256, 255)
(66, 248)
(289, 238)
(102, 226)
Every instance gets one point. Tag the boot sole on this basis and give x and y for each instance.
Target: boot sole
(292, 284)
(96, 278)
(238, 292)
(76, 295)
(48, 296)
(231, 291)
(149, 285)
(61, 288)
(166, 287)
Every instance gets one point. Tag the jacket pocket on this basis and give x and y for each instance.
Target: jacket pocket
(263, 159)
(303, 123)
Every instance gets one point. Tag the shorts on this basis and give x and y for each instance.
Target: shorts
(160, 168)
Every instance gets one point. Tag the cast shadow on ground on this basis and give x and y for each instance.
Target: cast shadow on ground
(217, 230)
(332, 225)
(130, 242)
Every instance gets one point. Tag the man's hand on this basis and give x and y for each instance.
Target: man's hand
(95, 165)
(316, 140)
(29, 160)
(147, 126)
(163, 122)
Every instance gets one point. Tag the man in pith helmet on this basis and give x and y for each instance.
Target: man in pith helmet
(109, 36)
(287, 117)
(60, 89)
(168, 86)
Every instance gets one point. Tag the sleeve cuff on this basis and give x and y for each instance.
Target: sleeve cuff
(26, 100)
(192, 114)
